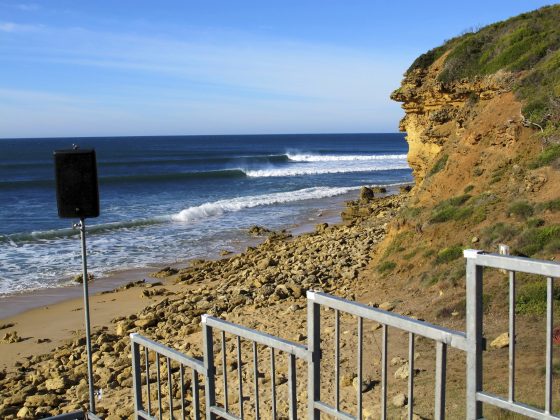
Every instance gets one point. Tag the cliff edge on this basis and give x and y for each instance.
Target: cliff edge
(482, 118)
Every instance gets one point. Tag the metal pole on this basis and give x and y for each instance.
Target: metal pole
(82, 227)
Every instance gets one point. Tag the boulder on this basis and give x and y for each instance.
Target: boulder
(501, 341)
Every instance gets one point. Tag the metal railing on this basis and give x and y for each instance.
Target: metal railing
(249, 404)
(442, 336)
(476, 262)
(256, 338)
(174, 361)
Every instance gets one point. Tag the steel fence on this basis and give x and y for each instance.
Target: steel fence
(249, 404)
(174, 366)
(476, 396)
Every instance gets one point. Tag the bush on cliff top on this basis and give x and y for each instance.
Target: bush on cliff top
(527, 43)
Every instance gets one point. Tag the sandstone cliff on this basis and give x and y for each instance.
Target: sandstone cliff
(484, 172)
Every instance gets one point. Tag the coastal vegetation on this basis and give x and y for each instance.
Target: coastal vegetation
(527, 45)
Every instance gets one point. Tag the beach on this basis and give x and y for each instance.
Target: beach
(263, 282)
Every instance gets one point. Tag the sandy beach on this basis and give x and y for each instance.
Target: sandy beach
(44, 319)
(264, 281)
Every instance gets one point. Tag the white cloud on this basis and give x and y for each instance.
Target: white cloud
(18, 27)
(192, 84)
(27, 7)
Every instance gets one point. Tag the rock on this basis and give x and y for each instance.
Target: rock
(501, 341)
(42, 400)
(347, 380)
(397, 361)
(399, 400)
(387, 306)
(164, 272)
(475, 239)
(367, 384)
(321, 227)
(11, 337)
(380, 190)
(265, 263)
(80, 278)
(366, 194)
(23, 413)
(145, 323)
(256, 230)
(56, 384)
(402, 372)
(405, 188)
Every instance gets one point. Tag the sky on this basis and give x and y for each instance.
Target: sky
(75, 68)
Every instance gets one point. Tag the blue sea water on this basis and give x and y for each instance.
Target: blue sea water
(169, 199)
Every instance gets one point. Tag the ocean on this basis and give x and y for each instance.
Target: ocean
(170, 199)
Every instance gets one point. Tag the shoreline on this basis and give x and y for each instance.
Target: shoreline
(22, 302)
(117, 295)
(258, 286)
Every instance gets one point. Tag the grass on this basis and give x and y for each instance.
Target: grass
(439, 165)
(452, 209)
(528, 43)
(386, 266)
(468, 189)
(447, 255)
(499, 232)
(531, 298)
(552, 205)
(546, 157)
(534, 240)
(398, 243)
(521, 209)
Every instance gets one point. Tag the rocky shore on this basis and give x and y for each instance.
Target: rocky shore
(272, 277)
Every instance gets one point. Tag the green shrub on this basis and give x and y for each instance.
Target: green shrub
(499, 232)
(398, 243)
(534, 240)
(449, 254)
(521, 209)
(439, 165)
(410, 255)
(429, 253)
(535, 222)
(546, 157)
(527, 43)
(531, 298)
(552, 205)
(451, 210)
(468, 188)
(386, 266)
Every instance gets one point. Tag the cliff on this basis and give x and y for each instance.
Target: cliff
(484, 146)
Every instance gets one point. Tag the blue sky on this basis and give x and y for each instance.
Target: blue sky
(103, 68)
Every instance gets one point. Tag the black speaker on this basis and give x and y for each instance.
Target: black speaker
(77, 193)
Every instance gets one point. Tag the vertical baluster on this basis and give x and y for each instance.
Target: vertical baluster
(158, 376)
(148, 380)
(292, 386)
(385, 337)
(240, 377)
(314, 347)
(337, 357)
(410, 375)
(511, 388)
(196, 395)
(549, 327)
(256, 372)
(170, 388)
(136, 376)
(182, 378)
(441, 371)
(224, 366)
(210, 366)
(360, 343)
(273, 383)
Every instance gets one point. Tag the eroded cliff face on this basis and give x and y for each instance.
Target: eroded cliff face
(436, 111)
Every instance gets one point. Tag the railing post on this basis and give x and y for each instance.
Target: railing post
(474, 334)
(136, 376)
(210, 388)
(314, 347)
